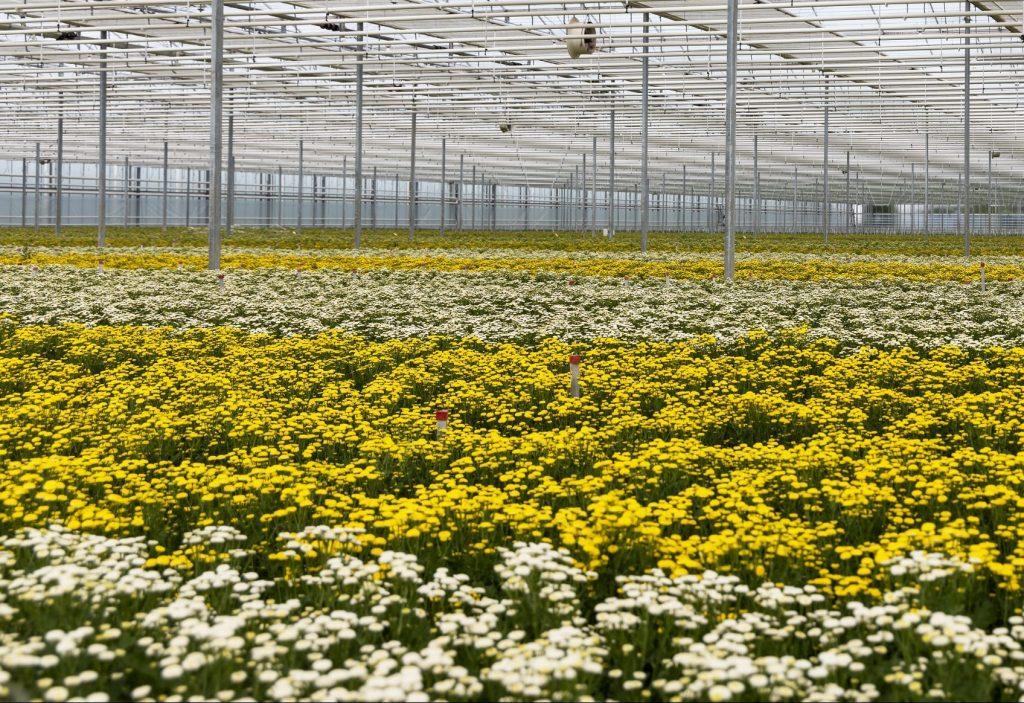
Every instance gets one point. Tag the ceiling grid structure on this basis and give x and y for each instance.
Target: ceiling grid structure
(894, 72)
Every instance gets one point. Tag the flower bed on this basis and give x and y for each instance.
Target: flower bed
(212, 512)
(519, 307)
(680, 266)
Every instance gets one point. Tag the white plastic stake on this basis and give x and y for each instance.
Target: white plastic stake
(574, 375)
(442, 422)
(983, 276)
(220, 281)
(99, 267)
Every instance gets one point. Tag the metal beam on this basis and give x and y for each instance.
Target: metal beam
(59, 212)
(35, 209)
(730, 142)
(462, 182)
(24, 192)
(826, 205)
(757, 192)
(358, 195)
(229, 220)
(412, 178)
(611, 174)
(301, 193)
(927, 207)
(101, 166)
(645, 185)
(126, 183)
(593, 184)
(966, 193)
(216, 130)
(444, 177)
(163, 215)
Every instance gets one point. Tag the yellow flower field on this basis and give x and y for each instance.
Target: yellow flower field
(774, 459)
(703, 268)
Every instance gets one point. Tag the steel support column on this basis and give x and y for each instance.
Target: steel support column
(462, 182)
(24, 192)
(357, 195)
(216, 129)
(644, 139)
(795, 191)
(988, 198)
(127, 184)
(163, 209)
(583, 196)
(712, 212)
(663, 204)
(412, 178)
(611, 174)
(913, 195)
(444, 184)
(188, 197)
(683, 204)
(966, 192)
(756, 224)
(280, 196)
(229, 215)
(825, 219)
(732, 19)
(300, 191)
(59, 211)
(849, 203)
(101, 166)
(373, 198)
(526, 207)
(35, 208)
(927, 224)
(593, 185)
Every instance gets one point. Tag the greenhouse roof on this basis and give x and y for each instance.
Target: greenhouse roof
(890, 73)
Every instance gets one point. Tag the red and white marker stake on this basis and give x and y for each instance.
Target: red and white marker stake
(982, 275)
(220, 281)
(179, 266)
(574, 375)
(442, 422)
(99, 267)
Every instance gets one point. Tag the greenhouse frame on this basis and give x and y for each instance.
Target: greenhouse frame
(869, 116)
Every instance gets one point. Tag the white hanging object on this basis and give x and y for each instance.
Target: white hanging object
(580, 38)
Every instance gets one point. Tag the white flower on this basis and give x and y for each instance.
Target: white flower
(501, 306)
(57, 694)
(719, 693)
(172, 672)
